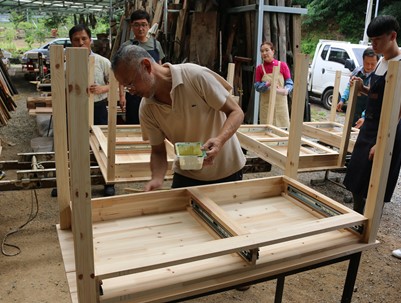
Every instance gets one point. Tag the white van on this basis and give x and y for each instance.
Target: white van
(331, 56)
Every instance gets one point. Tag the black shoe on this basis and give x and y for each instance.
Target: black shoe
(109, 190)
(243, 288)
(348, 199)
(54, 192)
(2, 174)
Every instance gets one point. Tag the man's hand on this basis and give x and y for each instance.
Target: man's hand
(212, 148)
(359, 123)
(339, 106)
(153, 185)
(353, 79)
(98, 89)
(282, 91)
(372, 152)
(123, 102)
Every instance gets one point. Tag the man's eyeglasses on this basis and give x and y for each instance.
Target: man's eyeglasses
(131, 86)
(138, 25)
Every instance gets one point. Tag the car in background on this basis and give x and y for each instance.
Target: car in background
(331, 56)
(45, 49)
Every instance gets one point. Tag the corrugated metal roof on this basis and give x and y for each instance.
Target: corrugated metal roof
(63, 7)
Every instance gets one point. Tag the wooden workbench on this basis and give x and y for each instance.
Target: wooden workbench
(170, 245)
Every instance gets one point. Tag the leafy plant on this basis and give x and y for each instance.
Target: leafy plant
(16, 18)
(54, 20)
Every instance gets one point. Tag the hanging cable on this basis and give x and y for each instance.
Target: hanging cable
(32, 216)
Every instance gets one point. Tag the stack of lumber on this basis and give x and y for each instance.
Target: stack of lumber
(213, 33)
(7, 90)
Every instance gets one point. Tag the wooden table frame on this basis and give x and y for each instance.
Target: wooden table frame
(331, 132)
(272, 143)
(130, 154)
(153, 247)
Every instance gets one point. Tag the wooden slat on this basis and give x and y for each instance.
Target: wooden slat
(180, 32)
(353, 95)
(272, 96)
(37, 101)
(60, 128)
(389, 119)
(333, 111)
(220, 247)
(158, 12)
(91, 80)
(298, 107)
(216, 212)
(112, 122)
(77, 81)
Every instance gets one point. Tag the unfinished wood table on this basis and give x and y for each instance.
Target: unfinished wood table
(331, 132)
(271, 144)
(162, 246)
(170, 245)
(131, 153)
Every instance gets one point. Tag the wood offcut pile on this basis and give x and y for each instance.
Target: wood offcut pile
(7, 91)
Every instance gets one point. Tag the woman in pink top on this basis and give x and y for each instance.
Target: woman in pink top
(263, 78)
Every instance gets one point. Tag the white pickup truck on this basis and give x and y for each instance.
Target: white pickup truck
(331, 56)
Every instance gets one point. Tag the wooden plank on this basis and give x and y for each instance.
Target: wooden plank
(170, 257)
(296, 34)
(127, 290)
(91, 80)
(230, 75)
(180, 33)
(333, 111)
(158, 12)
(216, 212)
(131, 153)
(203, 39)
(353, 95)
(163, 286)
(298, 107)
(112, 122)
(272, 96)
(315, 195)
(38, 101)
(133, 205)
(60, 128)
(40, 111)
(329, 133)
(77, 82)
(389, 119)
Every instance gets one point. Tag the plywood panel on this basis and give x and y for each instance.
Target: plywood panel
(203, 39)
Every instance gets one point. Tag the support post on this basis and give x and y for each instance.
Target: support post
(297, 110)
(389, 119)
(343, 148)
(77, 95)
(91, 80)
(60, 140)
(112, 121)
(334, 102)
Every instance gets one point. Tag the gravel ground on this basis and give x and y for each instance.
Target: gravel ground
(37, 273)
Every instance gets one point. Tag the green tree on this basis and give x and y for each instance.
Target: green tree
(54, 20)
(29, 33)
(16, 18)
